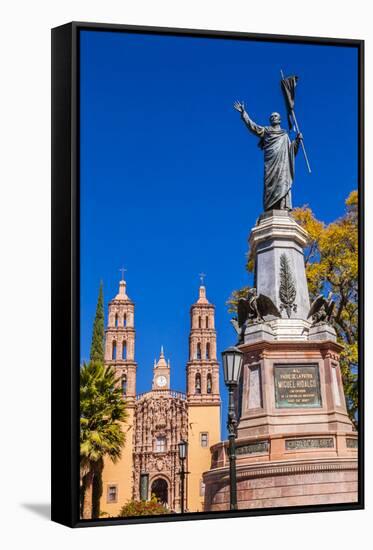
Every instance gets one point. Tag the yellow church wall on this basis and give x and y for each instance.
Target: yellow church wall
(200, 419)
(119, 474)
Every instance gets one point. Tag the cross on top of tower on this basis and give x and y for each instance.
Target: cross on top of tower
(122, 295)
(202, 277)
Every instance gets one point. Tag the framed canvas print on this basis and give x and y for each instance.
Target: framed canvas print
(207, 277)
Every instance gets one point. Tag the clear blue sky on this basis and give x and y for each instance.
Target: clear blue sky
(171, 180)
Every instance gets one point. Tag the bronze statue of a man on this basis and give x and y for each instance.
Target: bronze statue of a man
(279, 157)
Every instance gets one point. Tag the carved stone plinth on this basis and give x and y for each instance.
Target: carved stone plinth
(277, 242)
(296, 444)
(299, 385)
(323, 331)
(258, 332)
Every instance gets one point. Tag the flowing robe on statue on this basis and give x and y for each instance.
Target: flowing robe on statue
(279, 155)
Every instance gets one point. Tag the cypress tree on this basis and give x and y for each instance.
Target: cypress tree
(97, 345)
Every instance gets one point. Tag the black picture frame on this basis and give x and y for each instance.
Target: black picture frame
(65, 271)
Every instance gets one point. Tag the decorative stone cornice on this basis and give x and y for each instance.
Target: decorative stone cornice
(120, 301)
(221, 475)
(121, 330)
(167, 394)
(292, 346)
(193, 401)
(277, 224)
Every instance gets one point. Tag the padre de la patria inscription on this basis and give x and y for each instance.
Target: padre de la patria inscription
(297, 386)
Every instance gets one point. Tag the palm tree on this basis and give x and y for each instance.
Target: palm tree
(102, 412)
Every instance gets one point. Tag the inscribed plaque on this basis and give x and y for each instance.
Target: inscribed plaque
(297, 386)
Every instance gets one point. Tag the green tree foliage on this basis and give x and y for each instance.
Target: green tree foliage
(332, 264)
(150, 507)
(98, 335)
(232, 301)
(331, 260)
(102, 413)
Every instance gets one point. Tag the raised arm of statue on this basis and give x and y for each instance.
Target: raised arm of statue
(251, 125)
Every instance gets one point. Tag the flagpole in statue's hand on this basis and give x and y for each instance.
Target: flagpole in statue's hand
(288, 87)
(300, 137)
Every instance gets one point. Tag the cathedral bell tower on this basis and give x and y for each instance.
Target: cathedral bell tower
(202, 373)
(120, 342)
(202, 367)
(117, 478)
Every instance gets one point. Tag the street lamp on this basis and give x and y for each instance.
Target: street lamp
(183, 451)
(232, 363)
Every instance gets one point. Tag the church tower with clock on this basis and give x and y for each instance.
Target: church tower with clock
(161, 373)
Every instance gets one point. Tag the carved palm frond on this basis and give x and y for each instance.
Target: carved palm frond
(287, 291)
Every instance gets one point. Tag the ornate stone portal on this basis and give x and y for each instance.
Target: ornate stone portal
(161, 421)
(296, 444)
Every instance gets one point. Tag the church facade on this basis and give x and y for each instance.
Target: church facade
(162, 417)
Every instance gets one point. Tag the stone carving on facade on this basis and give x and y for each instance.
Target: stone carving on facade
(159, 416)
(287, 290)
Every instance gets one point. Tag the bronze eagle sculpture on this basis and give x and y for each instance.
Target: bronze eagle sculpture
(252, 310)
(322, 309)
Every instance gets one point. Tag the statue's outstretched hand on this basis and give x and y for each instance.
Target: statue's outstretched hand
(299, 136)
(240, 107)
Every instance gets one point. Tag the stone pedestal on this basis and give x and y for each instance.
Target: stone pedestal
(296, 444)
(277, 238)
(292, 387)
(301, 482)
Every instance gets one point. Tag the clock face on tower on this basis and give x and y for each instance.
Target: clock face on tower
(161, 381)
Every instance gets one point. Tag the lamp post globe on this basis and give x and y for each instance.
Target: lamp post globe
(232, 363)
(183, 449)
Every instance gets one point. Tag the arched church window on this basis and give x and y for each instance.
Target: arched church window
(124, 349)
(124, 320)
(114, 350)
(198, 383)
(209, 383)
(208, 350)
(207, 321)
(199, 322)
(124, 384)
(116, 320)
(199, 353)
